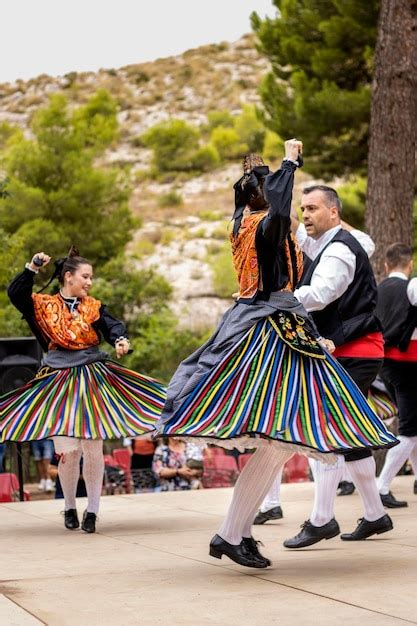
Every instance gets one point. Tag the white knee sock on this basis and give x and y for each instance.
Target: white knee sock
(395, 459)
(69, 473)
(363, 475)
(346, 474)
(413, 457)
(326, 478)
(250, 489)
(93, 469)
(273, 497)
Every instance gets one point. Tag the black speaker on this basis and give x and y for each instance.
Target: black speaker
(20, 358)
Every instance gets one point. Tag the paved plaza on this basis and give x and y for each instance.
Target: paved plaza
(149, 564)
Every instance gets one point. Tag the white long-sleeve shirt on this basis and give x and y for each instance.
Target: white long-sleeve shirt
(411, 293)
(335, 270)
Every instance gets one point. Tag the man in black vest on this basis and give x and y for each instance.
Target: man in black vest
(340, 292)
(397, 310)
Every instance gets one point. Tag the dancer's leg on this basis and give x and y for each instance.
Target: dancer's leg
(363, 475)
(395, 459)
(252, 486)
(69, 473)
(273, 497)
(327, 478)
(413, 457)
(93, 469)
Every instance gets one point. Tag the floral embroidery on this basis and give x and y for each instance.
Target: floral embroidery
(61, 327)
(245, 257)
(291, 328)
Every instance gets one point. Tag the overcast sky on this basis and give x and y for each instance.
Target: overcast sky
(59, 36)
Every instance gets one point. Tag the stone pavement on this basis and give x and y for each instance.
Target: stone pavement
(149, 564)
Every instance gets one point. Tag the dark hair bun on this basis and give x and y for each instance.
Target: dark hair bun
(73, 251)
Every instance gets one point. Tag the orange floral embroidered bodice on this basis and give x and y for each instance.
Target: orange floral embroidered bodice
(245, 257)
(63, 329)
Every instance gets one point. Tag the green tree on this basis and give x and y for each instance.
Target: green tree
(57, 194)
(320, 86)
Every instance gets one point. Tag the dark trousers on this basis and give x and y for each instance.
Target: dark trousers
(401, 378)
(363, 372)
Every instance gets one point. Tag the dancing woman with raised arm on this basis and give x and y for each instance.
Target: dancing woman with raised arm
(265, 379)
(79, 396)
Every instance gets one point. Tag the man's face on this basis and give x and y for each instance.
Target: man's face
(318, 217)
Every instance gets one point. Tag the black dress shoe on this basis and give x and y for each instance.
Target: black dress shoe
(415, 487)
(313, 534)
(238, 554)
(345, 488)
(89, 522)
(251, 546)
(366, 529)
(71, 519)
(262, 517)
(390, 502)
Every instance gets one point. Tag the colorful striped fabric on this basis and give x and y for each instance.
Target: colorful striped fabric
(264, 387)
(102, 400)
(381, 403)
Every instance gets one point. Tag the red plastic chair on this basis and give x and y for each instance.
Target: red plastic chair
(214, 478)
(122, 458)
(109, 460)
(224, 462)
(297, 470)
(9, 488)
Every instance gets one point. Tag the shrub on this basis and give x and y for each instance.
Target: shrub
(224, 276)
(250, 129)
(205, 158)
(171, 198)
(219, 118)
(172, 143)
(273, 146)
(228, 143)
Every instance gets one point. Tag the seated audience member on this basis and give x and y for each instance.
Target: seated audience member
(170, 465)
(43, 451)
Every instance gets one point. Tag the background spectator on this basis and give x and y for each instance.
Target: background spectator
(43, 451)
(170, 464)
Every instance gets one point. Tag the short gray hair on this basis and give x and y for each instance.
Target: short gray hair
(331, 195)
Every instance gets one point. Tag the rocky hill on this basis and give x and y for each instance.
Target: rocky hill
(184, 221)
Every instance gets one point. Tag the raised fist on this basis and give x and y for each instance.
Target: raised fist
(293, 148)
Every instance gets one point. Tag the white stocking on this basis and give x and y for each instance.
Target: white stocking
(326, 479)
(273, 497)
(363, 475)
(413, 457)
(93, 469)
(252, 486)
(395, 459)
(69, 473)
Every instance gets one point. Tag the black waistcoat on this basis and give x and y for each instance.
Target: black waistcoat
(398, 316)
(353, 314)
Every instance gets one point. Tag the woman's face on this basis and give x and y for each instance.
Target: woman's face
(78, 284)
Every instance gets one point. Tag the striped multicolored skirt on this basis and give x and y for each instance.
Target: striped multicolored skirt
(277, 383)
(100, 400)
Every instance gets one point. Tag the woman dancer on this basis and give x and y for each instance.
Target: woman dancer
(265, 379)
(79, 397)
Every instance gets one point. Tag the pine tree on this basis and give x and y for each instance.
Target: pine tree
(319, 88)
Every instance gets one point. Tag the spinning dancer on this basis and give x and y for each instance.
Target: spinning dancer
(79, 397)
(264, 380)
